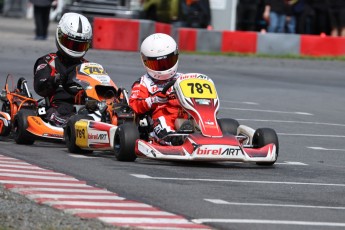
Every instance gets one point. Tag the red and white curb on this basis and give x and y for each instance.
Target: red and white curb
(73, 196)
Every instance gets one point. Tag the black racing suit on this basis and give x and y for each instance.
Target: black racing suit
(48, 85)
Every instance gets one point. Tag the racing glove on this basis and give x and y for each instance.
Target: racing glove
(59, 79)
(155, 100)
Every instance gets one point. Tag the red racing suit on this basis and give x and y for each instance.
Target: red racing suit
(146, 87)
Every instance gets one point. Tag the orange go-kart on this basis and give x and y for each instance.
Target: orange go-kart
(13, 100)
(96, 98)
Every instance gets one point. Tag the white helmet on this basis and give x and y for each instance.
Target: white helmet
(159, 54)
(73, 35)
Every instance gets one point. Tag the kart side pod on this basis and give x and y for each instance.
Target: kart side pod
(86, 134)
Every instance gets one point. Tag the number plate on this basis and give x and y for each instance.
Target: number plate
(198, 88)
(81, 134)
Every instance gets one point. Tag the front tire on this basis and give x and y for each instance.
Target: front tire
(20, 124)
(124, 143)
(70, 134)
(228, 125)
(265, 136)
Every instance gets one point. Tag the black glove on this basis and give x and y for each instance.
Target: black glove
(59, 79)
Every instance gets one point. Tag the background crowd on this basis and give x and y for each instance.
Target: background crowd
(318, 17)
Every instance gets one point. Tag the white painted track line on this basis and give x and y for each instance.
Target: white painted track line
(270, 111)
(294, 122)
(276, 222)
(218, 201)
(311, 135)
(236, 181)
(326, 149)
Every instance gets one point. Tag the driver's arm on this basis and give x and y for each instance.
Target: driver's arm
(137, 100)
(44, 79)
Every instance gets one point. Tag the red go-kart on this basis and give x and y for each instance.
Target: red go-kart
(204, 137)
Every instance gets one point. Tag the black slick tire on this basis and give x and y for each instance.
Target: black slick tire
(228, 125)
(70, 135)
(264, 136)
(20, 124)
(124, 142)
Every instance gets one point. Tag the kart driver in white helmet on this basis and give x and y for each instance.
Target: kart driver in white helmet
(159, 54)
(73, 38)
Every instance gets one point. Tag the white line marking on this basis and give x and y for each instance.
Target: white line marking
(66, 178)
(241, 102)
(236, 181)
(281, 222)
(61, 190)
(44, 172)
(81, 156)
(20, 166)
(110, 211)
(270, 111)
(217, 201)
(309, 135)
(138, 220)
(85, 203)
(4, 163)
(43, 183)
(290, 163)
(142, 176)
(294, 122)
(324, 149)
(88, 197)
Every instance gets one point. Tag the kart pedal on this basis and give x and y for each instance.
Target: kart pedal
(186, 127)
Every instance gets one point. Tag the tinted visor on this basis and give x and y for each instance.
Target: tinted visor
(161, 63)
(73, 44)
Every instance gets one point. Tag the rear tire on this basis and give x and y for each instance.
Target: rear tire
(264, 136)
(124, 143)
(70, 134)
(20, 124)
(228, 125)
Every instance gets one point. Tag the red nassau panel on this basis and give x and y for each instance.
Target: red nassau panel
(239, 42)
(187, 39)
(322, 46)
(116, 34)
(162, 28)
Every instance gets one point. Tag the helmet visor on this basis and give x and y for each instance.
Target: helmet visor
(161, 63)
(73, 44)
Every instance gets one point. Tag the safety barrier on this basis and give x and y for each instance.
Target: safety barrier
(127, 35)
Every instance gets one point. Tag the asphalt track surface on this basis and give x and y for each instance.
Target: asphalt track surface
(302, 100)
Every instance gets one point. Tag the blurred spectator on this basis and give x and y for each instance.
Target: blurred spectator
(275, 14)
(337, 17)
(261, 23)
(246, 14)
(196, 13)
(290, 26)
(304, 15)
(321, 16)
(41, 16)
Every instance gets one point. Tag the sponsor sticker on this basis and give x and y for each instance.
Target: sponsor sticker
(40, 67)
(96, 136)
(219, 150)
